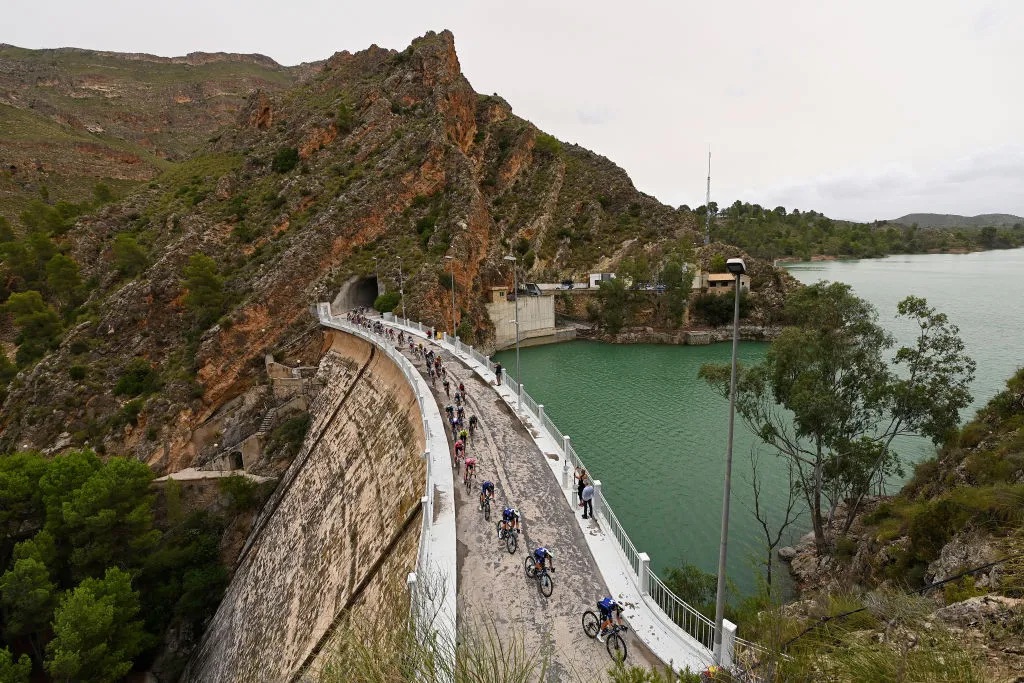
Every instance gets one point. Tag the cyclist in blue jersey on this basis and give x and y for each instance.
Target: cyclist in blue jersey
(486, 491)
(541, 557)
(608, 607)
(510, 519)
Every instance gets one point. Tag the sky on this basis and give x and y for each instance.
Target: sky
(860, 110)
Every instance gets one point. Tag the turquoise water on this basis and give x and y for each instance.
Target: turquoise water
(656, 436)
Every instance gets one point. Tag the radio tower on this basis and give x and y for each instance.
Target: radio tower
(707, 206)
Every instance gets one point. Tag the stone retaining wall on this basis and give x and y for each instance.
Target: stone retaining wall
(340, 527)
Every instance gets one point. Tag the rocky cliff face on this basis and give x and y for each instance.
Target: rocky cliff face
(379, 154)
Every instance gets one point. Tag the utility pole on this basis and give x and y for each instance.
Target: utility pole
(707, 206)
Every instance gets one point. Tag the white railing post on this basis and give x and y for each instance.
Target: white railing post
(565, 447)
(728, 642)
(520, 404)
(645, 573)
(472, 354)
(540, 414)
(598, 500)
(566, 481)
(410, 583)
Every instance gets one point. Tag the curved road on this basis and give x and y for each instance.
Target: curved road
(492, 586)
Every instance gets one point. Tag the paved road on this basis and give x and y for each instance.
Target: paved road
(492, 586)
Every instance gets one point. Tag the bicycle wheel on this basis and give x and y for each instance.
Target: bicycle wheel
(510, 541)
(530, 567)
(487, 509)
(591, 624)
(616, 647)
(546, 585)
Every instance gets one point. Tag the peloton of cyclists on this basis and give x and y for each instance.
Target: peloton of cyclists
(608, 606)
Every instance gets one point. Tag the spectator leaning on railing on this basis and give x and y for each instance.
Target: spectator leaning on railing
(587, 496)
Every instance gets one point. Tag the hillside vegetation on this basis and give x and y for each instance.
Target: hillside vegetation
(71, 118)
(793, 234)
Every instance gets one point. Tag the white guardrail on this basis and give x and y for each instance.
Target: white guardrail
(432, 587)
(676, 611)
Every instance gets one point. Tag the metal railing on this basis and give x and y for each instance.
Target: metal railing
(683, 615)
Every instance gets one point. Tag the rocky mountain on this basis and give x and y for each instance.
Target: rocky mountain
(209, 266)
(70, 118)
(949, 220)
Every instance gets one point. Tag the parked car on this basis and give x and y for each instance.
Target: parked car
(531, 289)
(567, 284)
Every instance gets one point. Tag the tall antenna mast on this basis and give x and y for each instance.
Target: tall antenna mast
(707, 206)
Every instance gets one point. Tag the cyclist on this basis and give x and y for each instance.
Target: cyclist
(461, 412)
(542, 556)
(510, 519)
(449, 411)
(486, 491)
(472, 426)
(458, 399)
(462, 388)
(447, 385)
(608, 607)
(470, 468)
(463, 434)
(460, 450)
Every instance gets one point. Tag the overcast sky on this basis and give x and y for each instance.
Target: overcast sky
(861, 110)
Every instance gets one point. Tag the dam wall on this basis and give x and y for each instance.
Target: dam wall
(343, 530)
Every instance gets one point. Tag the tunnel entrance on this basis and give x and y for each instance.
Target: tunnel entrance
(359, 291)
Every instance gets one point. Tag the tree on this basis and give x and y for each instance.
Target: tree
(678, 282)
(614, 300)
(773, 537)
(21, 505)
(717, 264)
(63, 280)
(826, 399)
(27, 598)
(102, 194)
(130, 258)
(96, 632)
(109, 519)
(205, 286)
(14, 672)
(40, 325)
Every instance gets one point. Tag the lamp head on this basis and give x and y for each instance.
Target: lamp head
(736, 266)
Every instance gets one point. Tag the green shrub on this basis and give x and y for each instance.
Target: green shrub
(130, 257)
(139, 377)
(547, 144)
(385, 303)
(286, 439)
(241, 493)
(286, 159)
(205, 286)
(972, 434)
(717, 309)
(77, 372)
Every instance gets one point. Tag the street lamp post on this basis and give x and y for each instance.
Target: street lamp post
(452, 260)
(376, 274)
(737, 268)
(515, 290)
(401, 285)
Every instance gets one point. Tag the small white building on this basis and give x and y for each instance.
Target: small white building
(595, 279)
(720, 283)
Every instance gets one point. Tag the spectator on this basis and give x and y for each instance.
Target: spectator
(581, 481)
(497, 373)
(587, 496)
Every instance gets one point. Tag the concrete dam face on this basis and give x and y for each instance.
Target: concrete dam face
(339, 533)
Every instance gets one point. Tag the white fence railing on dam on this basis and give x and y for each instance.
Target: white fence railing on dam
(673, 610)
(432, 587)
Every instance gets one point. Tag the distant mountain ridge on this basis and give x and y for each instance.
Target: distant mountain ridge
(949, 220)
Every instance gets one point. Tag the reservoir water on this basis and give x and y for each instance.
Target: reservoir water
(655, 435)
